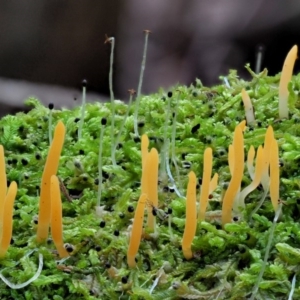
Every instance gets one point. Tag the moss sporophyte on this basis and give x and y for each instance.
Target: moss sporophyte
(201, 202)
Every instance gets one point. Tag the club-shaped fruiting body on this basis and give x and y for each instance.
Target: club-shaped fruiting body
(50, 169)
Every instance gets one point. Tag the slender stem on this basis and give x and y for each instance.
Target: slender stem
(122, 126)
(100, 166)
(112, 99)
(50, 127)
(82, 113)
(262, 270)
(143, 65)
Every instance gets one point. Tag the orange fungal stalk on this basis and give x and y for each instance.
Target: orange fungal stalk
(191, 217)
(152, 178)
(274, 175)
(286, 76)
(235, 182)
(8, 218)
(56, 218)
(207, 168)
(136, 232)
(3, 187)
(50, 169)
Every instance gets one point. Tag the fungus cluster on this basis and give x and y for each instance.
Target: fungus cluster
(160, 232)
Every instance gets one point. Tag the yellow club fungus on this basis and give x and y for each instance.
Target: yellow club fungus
(274, 175)
(136, 232)
(249, 112)
(207, 168)
(213, 183)
(3, 187)
(265, 179)
(286, 76)
(250, 159)
(242, 125)
(231, 158)
(152, 178)
(7, 221)
(256, 179)
(144, 150)
(50, 169)
(235, 182)
(56, 218)
(190, 218)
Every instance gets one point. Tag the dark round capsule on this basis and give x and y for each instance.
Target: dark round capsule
(105, 175)
(124, 279)
(121, 216)
(103, 121)
(154, 211)
(76, 120)
(38, 156)
(107, 265)
(170, 94)
(243, 250)
(81, 152)
(116, 232)
(14, 161)
(171, 189)
(12, 241)
(9, 162)
(137, 139)
(165, 189)
(69, 248)
(26, 176)
(195, 128)
(170, 210)
(35, 221)
(259, 123)
(84, 82)
(24, 162)
(96, 181)
(141, 124)
(130, 208)
(97, 248)
(21, 128)
(50, 106)
(235, 218)
(102, 224)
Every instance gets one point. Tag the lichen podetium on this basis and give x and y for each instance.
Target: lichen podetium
(225, 262)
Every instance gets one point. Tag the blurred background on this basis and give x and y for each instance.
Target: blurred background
(48, 47)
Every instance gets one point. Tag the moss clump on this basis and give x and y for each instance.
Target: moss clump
(226, 262)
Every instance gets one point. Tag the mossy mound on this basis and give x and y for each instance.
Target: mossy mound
(226, 262)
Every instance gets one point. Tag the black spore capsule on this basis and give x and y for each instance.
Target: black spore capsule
(50, 106)
(103, 121)
(130, 208)
(170, 94)
(195, 128)
(84, 82)
(102, 224)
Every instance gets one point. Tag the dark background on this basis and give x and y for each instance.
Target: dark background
(48, 47)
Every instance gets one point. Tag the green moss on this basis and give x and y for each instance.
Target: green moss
(227, 262)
